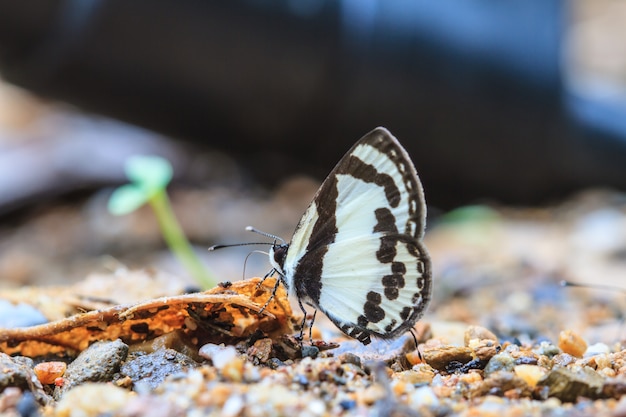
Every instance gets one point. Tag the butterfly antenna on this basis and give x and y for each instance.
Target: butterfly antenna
(271, 236)
(216, 247)
(565, 283)
(245, 262)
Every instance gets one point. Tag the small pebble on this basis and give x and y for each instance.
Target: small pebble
(17, 372)
(233, 370)
(478, 333)
(27, 406)
(347, 404)
(440, 357)
(492, 406)
(219, 355)
(414, 357)
(526, 360)
(547, 349)
(563, 359)
(484, 349)
(424, 396)
(310, 351)
(500, 362)
(531, 374)
(98, 363)
(350, 358)
(317, 407)
(153, 368)
(92, 400)
(275, 363)
(419, 374)
(233, 406)
(261, 350)
(567, 384)
(597, 349)
(302, 380)
(149, 405)
(48, 372)
(572, 343)
(9, 398)
(500, 382)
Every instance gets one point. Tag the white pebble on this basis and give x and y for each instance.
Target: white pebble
(317, 407)
(220, 355)
(92, 399)
(233, 406)
(597, 349)
(424, 396)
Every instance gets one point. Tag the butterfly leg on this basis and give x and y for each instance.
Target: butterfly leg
(266, 276)
(301, 336)
(303, 324)
(278, 281)
(311, 327)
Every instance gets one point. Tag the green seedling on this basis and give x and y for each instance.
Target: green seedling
(149, 177)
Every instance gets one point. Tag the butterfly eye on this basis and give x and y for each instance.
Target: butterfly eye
(280, 253)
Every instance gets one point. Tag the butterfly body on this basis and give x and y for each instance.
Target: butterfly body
(357, 252)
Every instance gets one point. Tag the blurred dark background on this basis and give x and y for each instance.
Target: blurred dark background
(486, 96)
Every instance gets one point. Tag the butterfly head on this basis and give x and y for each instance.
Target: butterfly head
(278, 253)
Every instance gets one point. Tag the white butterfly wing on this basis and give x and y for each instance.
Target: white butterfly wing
(356, 254)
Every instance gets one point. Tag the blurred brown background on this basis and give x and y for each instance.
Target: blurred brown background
(520, 103)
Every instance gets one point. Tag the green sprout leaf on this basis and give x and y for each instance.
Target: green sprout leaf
(149, 177)
(127, 199)
(152, 173)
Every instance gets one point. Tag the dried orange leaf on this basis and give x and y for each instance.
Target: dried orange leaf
(220, 315)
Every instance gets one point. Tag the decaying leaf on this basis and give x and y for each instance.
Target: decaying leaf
(97, 291)
(222, 314)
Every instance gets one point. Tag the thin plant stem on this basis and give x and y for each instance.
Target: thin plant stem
(176, 240)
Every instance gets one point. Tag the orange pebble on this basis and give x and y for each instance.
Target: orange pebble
(414, 357)
(572, 343)
(48, 372)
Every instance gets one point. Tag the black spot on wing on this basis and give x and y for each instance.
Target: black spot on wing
(373, 297)
(391, 325)
(372, 309)
(386, 224)
(392, 293)
(398, 268)
(392, 284)
(385, 221)
(387, 251)
(394, 280)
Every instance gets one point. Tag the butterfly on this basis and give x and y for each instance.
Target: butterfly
(357, 253)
